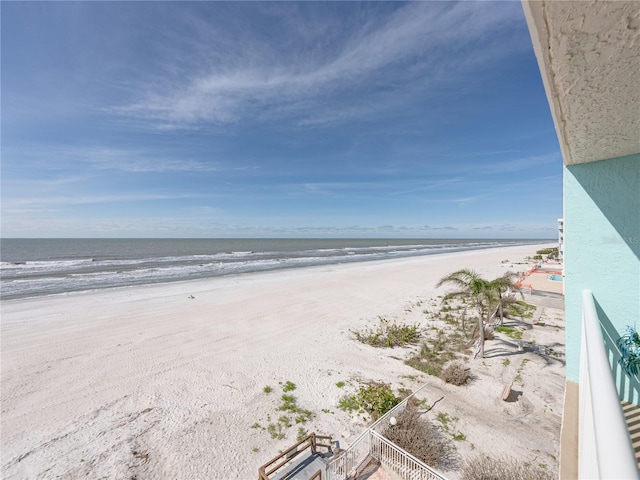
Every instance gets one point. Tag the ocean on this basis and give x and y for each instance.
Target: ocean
(34, 267)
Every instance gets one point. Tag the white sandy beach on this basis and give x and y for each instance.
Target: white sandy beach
(147, 383)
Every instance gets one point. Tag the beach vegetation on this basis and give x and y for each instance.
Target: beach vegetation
(518, 377)
(551, 253)
(420, 438)
(340, 384)
(629, 345)
(288, 386)
(376, 399)
(520, 309)
(302, 433)
(276, 431)
(303, 416)
(349, 403)
(285, 421)
(456, 373)
(267, 389)
(288, 403)
(292, 413)
(389, 334)
(488, 297)
(459, 437)
(444, 419)
(510, 331)
(438, 350)
(484, 467)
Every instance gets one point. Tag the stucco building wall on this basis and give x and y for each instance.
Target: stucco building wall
(602, 238)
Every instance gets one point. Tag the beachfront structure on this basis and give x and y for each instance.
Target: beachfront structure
(589, 58)
(560, 239)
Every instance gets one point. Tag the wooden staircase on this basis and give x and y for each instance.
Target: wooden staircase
(632, 416)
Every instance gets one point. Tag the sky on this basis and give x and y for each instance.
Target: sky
(274, 119)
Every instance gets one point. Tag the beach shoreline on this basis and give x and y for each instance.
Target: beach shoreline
(166, 380)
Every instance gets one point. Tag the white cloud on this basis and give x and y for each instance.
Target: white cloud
(85, 159)
(420, 44)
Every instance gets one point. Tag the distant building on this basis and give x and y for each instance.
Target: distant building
(560, 239)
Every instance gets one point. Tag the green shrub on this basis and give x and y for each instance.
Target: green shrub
(375, 399)
(288, 403)
(288, 386)
(349, 403)
(388, 334)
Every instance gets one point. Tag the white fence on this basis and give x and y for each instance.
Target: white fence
(605, 449)
(347, 462)
(372, 443)
(402, 463)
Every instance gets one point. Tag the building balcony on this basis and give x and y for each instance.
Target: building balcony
(604, 441)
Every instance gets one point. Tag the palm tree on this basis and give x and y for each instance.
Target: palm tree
(470, 285)
(503, 286)
(486, 295)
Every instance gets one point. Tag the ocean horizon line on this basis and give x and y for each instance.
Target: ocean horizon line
(35, 267)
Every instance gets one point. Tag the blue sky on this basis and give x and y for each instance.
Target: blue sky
(258, 119)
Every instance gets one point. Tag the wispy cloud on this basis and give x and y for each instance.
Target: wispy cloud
(28, 202)
(79, 158)
(259, 84)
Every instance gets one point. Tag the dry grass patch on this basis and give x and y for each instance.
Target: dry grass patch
(487, 468)
(457, 373)
(420, 438)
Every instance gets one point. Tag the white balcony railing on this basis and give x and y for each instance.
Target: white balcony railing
(604, 449)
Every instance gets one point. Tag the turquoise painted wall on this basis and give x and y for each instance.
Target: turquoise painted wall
(602, 246)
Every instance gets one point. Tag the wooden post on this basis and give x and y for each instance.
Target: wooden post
(506, 392)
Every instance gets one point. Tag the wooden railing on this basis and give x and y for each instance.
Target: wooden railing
(604, 447)
(311, 441)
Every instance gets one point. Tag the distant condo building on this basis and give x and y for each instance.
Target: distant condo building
(560, 239)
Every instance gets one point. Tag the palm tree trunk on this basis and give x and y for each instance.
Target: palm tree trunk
(481, 337)
(464, 325)
(480, 327)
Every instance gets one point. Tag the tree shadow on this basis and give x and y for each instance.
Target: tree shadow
(545, 351)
